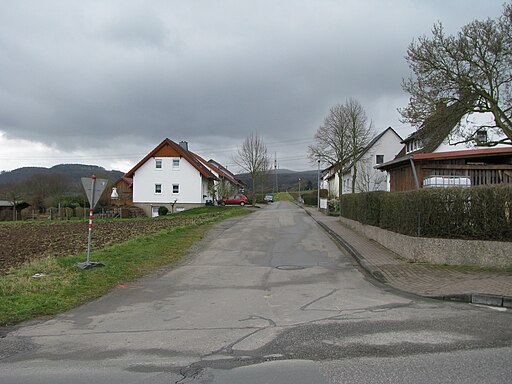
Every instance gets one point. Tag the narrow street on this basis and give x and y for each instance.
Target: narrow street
(267, 298)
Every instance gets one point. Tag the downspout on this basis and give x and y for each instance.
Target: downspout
(418, 214)
(413, 167)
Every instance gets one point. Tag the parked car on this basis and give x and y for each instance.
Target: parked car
(238, 199)
(269, 198)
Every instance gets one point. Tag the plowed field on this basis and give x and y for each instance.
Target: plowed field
(23, 242)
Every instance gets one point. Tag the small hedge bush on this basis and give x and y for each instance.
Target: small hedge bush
(162, 211)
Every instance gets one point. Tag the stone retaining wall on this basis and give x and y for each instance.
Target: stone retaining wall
(439, 251)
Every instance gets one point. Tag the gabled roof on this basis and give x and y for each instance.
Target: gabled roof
(466, 154)
(332, 169)
(436, 128)
(19, 204)
(178, 150)
(227, 173)
(370, 145)
(219, 169)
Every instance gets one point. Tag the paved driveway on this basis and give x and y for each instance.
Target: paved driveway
(266, 298)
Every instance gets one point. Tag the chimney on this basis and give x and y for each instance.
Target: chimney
(184, 145)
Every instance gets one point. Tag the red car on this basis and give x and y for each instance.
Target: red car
(238, 199)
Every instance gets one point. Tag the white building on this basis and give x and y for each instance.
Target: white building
(171, 176)
(381, 149)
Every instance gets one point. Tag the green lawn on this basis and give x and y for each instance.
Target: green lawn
(283, 196)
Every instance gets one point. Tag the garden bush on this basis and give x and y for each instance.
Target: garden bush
(162, 211)
(310, 198)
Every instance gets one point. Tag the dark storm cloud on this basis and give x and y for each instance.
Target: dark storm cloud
(76, 73)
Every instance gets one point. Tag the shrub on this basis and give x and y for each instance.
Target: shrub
(162, 211)
(310, 198)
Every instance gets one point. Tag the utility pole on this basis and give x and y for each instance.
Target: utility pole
(275, 172)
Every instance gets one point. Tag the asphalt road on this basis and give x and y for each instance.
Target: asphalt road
(267, 298)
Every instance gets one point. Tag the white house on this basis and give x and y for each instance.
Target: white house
(171, 176)
(381, 149)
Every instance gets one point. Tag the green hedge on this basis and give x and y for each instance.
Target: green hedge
(483, 213)
(310, 198)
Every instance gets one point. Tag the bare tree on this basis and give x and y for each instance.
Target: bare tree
(369, 180)
(472, 70)
(342, 138)
(360, 132)
(252, 157)
(332, 142)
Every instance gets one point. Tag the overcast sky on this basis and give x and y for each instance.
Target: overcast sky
(104, 82)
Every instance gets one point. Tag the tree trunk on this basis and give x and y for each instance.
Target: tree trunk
(354, 176)
(340, 187)
(253, 191)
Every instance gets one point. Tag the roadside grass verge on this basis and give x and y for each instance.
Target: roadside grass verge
(283, 196)
(62, 286)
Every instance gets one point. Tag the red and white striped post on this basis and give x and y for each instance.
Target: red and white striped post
(91, 209)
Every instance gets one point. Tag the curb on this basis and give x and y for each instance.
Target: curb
(478, 298)
(371, 269)
(472, 298)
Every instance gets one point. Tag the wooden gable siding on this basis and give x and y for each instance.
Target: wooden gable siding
(166, 151)
(402, 178)
(125, 192)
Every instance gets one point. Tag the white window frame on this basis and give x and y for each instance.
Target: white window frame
(158, 186)
(173, 188)
(174, 165)
(158, 162)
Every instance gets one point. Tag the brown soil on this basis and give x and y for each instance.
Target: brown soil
(20, 243)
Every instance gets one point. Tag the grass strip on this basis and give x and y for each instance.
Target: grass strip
(63, 286)
(283, 196)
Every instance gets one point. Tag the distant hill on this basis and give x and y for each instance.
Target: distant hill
(72, 172)
(286, 180)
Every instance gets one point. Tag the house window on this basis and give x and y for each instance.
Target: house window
(175, 163)
(481, 136)
(158, 188)
(379, 159)
(175, 188)
(158, 163)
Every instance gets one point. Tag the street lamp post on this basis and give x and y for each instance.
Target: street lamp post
(318, 185)
(300, 199)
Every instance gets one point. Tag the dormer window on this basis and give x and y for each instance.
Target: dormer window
(414, 145)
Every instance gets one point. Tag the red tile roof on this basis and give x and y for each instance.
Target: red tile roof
(187, 155)
(464, 154)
